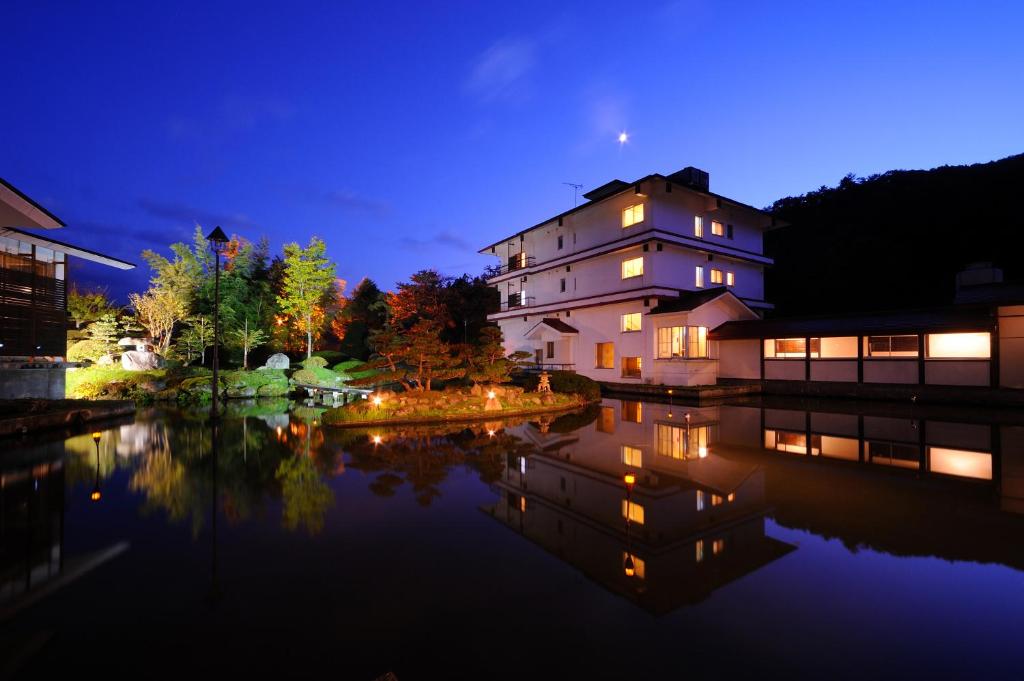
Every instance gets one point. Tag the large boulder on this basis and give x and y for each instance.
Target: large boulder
(278, 360)
(241, 392)
(137, 360)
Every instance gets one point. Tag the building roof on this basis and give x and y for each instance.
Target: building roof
(615, 187)
(554, 323)
(952, 318)
(690, 300)
(18, 210)
(77, 251)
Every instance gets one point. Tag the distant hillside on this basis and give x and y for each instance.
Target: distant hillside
(895, 240)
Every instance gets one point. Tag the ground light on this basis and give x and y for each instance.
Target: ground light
(96, 494)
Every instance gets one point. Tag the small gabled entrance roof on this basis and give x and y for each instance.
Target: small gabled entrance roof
(552, 324)
(691, 300)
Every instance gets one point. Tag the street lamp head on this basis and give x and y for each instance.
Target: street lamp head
(218, 240)
(96, 437)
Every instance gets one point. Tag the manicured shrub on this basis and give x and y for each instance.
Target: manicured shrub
(314, 362)
(86, 350)
(332, 356)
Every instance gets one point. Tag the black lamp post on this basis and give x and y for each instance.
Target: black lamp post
(218, 242)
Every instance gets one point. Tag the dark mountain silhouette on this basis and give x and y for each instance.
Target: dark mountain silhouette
(895, 240)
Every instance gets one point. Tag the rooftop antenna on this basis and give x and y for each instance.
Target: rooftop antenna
(575, 192)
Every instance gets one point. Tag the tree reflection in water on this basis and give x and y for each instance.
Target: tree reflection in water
(289, 457)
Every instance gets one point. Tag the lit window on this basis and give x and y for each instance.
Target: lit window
(891, 346)
(731, 498)
(716, 276)
(717, 546)
(701, 501)
(699, 282)
(634, 267)
(730, 278)
(792, 442)
(605, 356)
(697, 342)
(717, 228)
(839, 347)
(959, 462)
(680, 442)
(632, 456)
(632, 411)
(788, 348)
(698, 226)
(631, 322)
(633, 511)
(716, 500)
(898, 454)
(632, 215)
(671, 342)
(959, 345)
(699, 546)
(639, 567)
(631, 367)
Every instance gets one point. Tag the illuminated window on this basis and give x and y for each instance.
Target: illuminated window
(632, 215)
(633, 511)
(789, 348)
(522, 504)
(959, 462)
(959, 345)
(847, 448)
(891, 346)
(895, 454)
(696, 342)
(632, 456)
(632, 411)
(792, 442)
(605, 355)
(634, 267)
(606, 420)
(716, 276)
(680, 442)
(717, 546)
(699, 279)
(716, 500)
(698, 226)
(840, 347)
(731, 498)
(671, 342)
(699, 546)
(631, 367)
(701, 500)
(730, 278)
(631, 322)
(717, 228)
(639, 567)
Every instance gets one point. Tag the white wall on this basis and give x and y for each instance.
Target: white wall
(956, 372)
(842, 371)
(739, 358)
(890, 371)
(1011, 346)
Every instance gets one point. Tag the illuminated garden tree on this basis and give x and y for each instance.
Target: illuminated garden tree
(308, 274)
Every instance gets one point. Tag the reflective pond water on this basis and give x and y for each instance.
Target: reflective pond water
(801, 538)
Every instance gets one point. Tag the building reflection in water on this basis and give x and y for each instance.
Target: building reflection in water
(873, 475)
(692, 522)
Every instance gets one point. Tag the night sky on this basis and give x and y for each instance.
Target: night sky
(408, 135)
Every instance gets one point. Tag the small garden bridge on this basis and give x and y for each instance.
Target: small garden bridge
(333, 395)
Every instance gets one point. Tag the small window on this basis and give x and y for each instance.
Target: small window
(730, 278)
(632, 411)
(891, 346)
(728, 231)
(698, 226)
(717, 228)
(699, 280)
(561, 285)
(959, 345)
(633, 511)
(633, 267)
(551, 349)
(631, 367)
(790, 348)
(632, 215)
(632, 456)
(631, 322)
(697, 342)
(671, 342)
(559, 242)
(716, 276)
(605, 358)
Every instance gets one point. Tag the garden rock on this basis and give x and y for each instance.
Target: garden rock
(137, 360)
(278, 360)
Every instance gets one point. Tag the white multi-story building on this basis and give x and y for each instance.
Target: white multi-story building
(624, 287)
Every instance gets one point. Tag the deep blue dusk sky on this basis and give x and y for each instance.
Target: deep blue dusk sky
(410, 134)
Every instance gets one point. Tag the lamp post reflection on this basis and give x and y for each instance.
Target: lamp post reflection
(629, 565)
(96, 493)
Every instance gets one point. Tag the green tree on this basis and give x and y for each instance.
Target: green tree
(486, 360)
(308, 274)
(415, 357)
(245, 339)
(197, 336)
(363, 316)
(105, 332)
(88, 306)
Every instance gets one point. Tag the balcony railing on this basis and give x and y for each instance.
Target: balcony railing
(534, 367)
(517, 300)
(517, 263)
